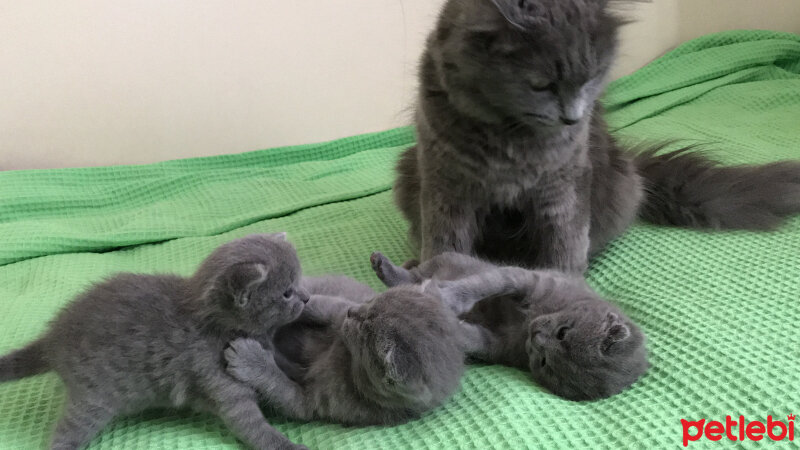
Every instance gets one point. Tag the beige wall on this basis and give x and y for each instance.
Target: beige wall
(93, 82)
(699, 17)
(96, 82)
(654, 32)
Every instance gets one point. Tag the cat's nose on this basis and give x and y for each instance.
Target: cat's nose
(303, 295)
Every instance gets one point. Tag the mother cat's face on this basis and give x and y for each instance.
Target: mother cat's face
(404, 347)
(540, 63)
(586, 352)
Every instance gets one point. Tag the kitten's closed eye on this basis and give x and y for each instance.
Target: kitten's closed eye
(288, 294)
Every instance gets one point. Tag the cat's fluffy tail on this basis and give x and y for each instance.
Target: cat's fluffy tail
(684, 188)
(24, 362)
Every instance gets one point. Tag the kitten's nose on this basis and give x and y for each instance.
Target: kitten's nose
(303, 295)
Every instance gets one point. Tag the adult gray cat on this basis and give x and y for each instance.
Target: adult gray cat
(142, 341)
(573, 342)
(366, 359)
(514, 161)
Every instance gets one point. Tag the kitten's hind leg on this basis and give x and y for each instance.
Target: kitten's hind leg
(389, 273)
(83, 418)
(480, 343)
(410, 264)
(462, 294)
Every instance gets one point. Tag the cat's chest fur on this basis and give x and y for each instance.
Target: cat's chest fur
(530, 168)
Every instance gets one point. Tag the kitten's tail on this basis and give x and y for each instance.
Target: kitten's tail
(24, 362)
(684, 188)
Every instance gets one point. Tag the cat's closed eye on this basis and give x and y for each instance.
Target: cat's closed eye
(242, 299)
(288, 294)
(542, 86)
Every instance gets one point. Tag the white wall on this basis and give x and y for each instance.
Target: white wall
(96, 82)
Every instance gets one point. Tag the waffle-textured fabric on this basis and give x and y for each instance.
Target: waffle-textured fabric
(720, 309)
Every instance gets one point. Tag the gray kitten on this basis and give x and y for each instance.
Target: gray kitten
(514, 161)
(135, 341)
(573, 342)
(365, 359)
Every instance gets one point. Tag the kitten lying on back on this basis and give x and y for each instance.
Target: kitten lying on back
(135, 342)
(366, 359)
(574, 343)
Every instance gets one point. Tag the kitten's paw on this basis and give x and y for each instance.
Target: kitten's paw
(386, 271)
(248, 360)
(379, 262)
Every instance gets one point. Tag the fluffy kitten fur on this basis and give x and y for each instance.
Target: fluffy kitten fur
(573, 342)
(135, 342)
(366, 359)
(514, 161)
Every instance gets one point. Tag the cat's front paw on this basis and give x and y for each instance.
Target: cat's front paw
(248, 360)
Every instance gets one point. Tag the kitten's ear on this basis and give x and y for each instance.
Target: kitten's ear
(282, 236)
(397, 362)
(240, 278)
(616, 331)
(392, 374)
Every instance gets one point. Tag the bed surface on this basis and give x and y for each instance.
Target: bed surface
(720, 309)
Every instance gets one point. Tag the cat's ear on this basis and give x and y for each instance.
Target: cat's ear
(518, 12)
(241, 299)
(616, 331)
(282, 236)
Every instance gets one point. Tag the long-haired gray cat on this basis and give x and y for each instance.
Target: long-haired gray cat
(552, 324)
(364, 358)
(515, 162)
(142, 341)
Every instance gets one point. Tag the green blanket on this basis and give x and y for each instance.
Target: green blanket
(720, 309)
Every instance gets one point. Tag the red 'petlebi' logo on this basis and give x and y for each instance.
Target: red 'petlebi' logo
(740, 430)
